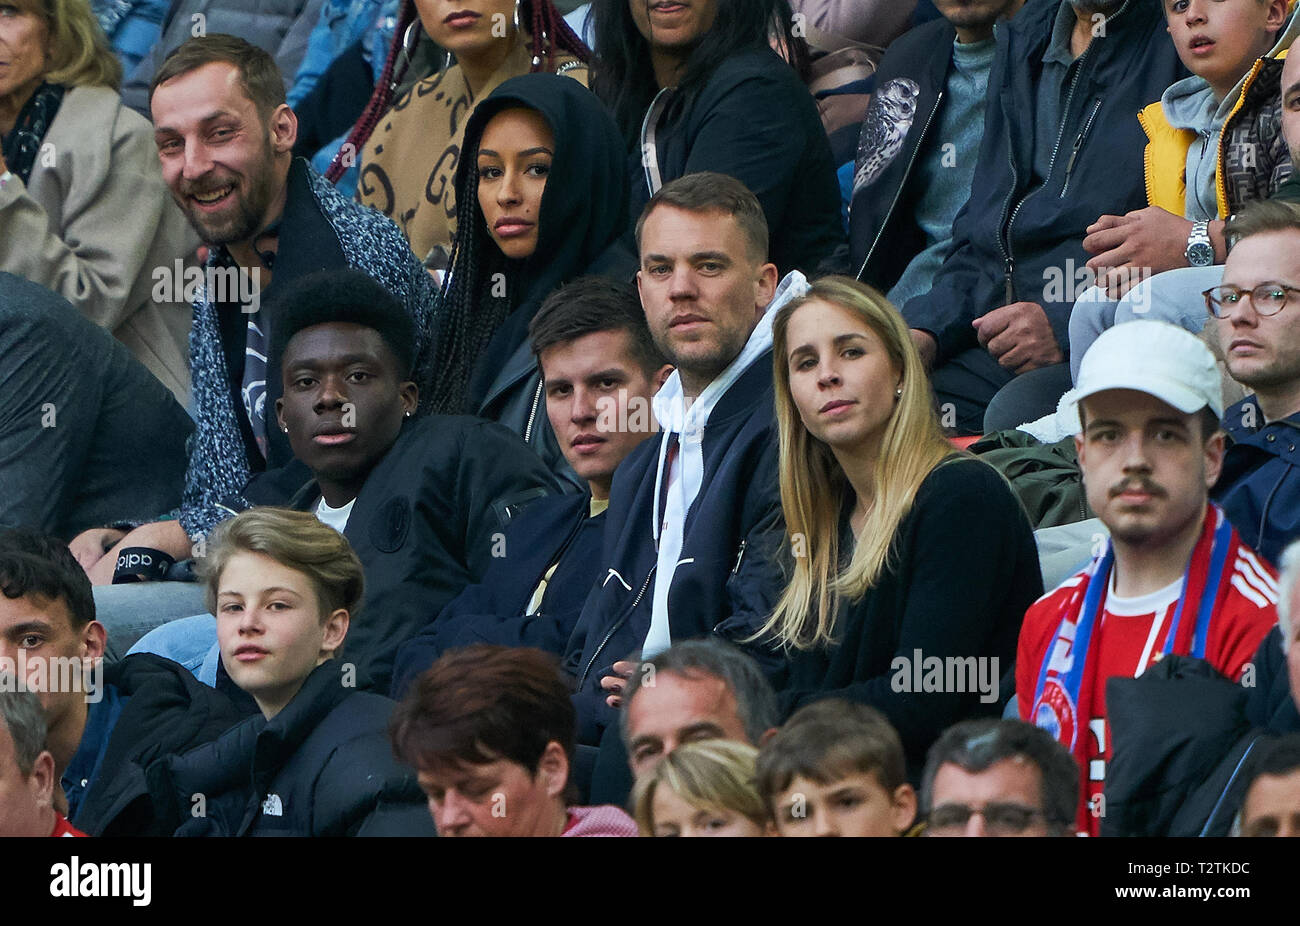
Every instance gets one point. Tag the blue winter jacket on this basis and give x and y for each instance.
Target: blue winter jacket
(555, 530)
(727, 580)
(1259, 487)
(1013, 241)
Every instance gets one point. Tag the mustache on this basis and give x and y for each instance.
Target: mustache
(201, 187)
(1140, 484)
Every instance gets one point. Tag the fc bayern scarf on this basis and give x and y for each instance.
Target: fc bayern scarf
(1067, 676)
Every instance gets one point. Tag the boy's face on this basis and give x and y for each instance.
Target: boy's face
(270, 628)
(855, 805)
(344, 399)
(1219, 40)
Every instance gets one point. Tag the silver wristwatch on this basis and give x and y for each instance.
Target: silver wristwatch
(1200, 250)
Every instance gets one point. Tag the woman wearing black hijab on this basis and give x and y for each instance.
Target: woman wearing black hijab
(542, 194)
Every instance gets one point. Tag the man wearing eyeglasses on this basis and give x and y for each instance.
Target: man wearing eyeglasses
(998, 778)
(1256, 311)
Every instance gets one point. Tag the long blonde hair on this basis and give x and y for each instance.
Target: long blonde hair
(80, 55)
(813, 483)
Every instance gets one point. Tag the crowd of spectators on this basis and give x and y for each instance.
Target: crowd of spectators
(757, 418)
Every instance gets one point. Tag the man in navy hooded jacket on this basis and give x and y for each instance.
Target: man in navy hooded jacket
(694, 516)
(1061, 147)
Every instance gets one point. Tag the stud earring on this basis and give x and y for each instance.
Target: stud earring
(898, 393)
(408, 414)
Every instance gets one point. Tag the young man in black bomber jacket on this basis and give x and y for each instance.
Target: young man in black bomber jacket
(926, 109)
(600, 368)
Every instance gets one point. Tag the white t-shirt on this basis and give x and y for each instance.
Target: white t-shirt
(336, 518)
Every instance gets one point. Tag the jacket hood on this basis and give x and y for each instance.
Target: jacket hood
(584, 205)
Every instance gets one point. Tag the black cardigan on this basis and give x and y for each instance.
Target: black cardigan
(963, 570)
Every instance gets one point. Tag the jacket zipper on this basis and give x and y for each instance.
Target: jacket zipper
(532, 414)
(613, 630)
(1005, 238)
(901, 184)
(1078, 143)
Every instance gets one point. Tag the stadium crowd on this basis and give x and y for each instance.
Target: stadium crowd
(649, 417)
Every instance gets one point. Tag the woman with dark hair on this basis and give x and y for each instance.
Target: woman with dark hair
(543, 193)
(409, 148)
(696, 86)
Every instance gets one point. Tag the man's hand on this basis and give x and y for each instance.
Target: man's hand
(617, 683)
(167, 536)
(1129, 248)
(90, 546)
(1019, 337)
(926, 346)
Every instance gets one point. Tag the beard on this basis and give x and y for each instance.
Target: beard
(978, 16)
(245, 208)
(1096, 6)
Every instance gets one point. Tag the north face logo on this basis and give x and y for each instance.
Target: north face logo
(272, 807)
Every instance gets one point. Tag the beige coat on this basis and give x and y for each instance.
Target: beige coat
(97, 225)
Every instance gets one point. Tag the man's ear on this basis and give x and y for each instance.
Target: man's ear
(553, 767)
(94, 637)
(410, 394)
(284, 129)
(279, 414)
(661, 376)
(1079, 444)
(904, 807)
(766, 737)
(1276, 16)
(768, 277)
(336, 629)
(1215, 447)
(42, 779)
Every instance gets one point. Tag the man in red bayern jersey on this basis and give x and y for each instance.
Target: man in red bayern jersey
(1174, 576)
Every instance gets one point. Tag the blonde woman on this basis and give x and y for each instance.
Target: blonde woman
(704, 788)
(83, 207)
(904, 555)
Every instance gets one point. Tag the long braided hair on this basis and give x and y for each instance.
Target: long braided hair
(474, 301)
(552, 37)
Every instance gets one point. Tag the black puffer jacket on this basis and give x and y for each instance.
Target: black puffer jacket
(323, 766)
(1182, 736)
(167, 710)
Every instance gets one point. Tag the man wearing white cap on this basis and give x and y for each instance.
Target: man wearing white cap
(1174, 576)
